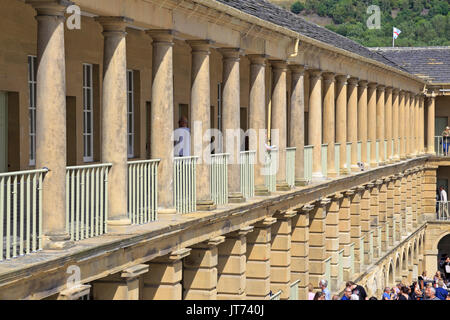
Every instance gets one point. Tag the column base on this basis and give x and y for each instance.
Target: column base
(409, 156)
(318, 175)
(301, 182)
(235, 197)
(57, 241)
(403, 157)
(118, 224)
(205, 205)
(332, 174)
(381, 163)
(355, 168)
(262, 190)
(344, 171)
(283, 186)
(373, 164)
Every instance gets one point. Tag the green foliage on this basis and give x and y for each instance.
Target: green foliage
(297, 7)
(422, 22)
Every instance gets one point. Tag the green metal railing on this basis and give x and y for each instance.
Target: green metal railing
(399, 146)
(352, 258)
(323, 157)
(348, 156)
(184, 187)
(271, 168)
(276, 296)
(142, 190)
(327, 274)
(340, 267)
(358, 151)
(20, 212)
(385, 150)
(308, 159)
(441, 146)
(377, 151)
(337, 158)
(219, 178)
(290, 166)
(368, 151)
(392, 148)
(87, 200)
(248, 173)
(294, 290)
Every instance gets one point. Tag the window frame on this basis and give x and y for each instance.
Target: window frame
(32, 82)
(88, 156)
(130, 131)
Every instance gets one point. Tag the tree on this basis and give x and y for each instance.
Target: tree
(297, 7)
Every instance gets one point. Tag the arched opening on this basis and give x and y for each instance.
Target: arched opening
(397, 268)
(391, 274)
(409, 257)
(443, 249)
(404, 261)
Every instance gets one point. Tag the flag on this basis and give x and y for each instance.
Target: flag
(396, 32)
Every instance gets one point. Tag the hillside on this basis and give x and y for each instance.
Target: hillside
(422, 22)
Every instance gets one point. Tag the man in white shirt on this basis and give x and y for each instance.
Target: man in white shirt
(443, 202)
(182, 139)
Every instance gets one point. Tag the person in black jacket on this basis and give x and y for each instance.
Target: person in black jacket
(357, 289)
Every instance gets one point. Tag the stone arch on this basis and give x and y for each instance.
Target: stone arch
(397, 266)
(416, 256)
(403, 259)
(391, 276)
(439, 238)
(410, 262)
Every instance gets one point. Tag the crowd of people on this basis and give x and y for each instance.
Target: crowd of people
(424, 288)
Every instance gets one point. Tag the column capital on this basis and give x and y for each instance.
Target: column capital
(363, 83)
(342, 78)
(372, 85)
(50, 7)
(162, 35)
(381, 87)
(315, 73)
(285, 215)
(113, 24)
(407, 94)
(328, 77)
(336, 196)
(323, 202)
(211, 243)
(349, 193)
(267, 222)
(279, 65)
(378, 182)
(387, 179)
(200, 46)
(231, 53)
(173, 256)
(306, 208)
(134, 271)
(368, 185)
(395, 90)
(389, 89)
(353, 81)
(358, 189)
(401, 92)
(238, 233)
(297, 69)
(258, 59)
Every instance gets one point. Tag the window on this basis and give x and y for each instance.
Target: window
(130, 113)
(32, 67)
(88, 120)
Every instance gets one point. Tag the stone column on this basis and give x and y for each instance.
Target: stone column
(416, 124)
(232, 266)
(429, 193)
(341, 121)
(120, 286)
(51, 120)
(397, 209)
(297, 124)
(279, 120)
(328, 121)
(300, 250)
(372, 122)
(422, 124)
(114, 117)
(200, 271)
(231, 120)
(380, 123)
(280, 254)
(345, 236)
(430, 120)
(162, 116)
(407, 124)
(315, 121)
(388, 124)
(414, 194)
(365, 222)
(420, 197)
(382, 214)
(257, 119)
(317, 249)
(200, 121)
(390, 211)
(362, 120)
(395, 123)
(258, 260)
(356, 229)
(375, 216)
(403, 203)
(332, 240)
(352, 126)
(401, 120)
(163, 282)
(408, 212)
